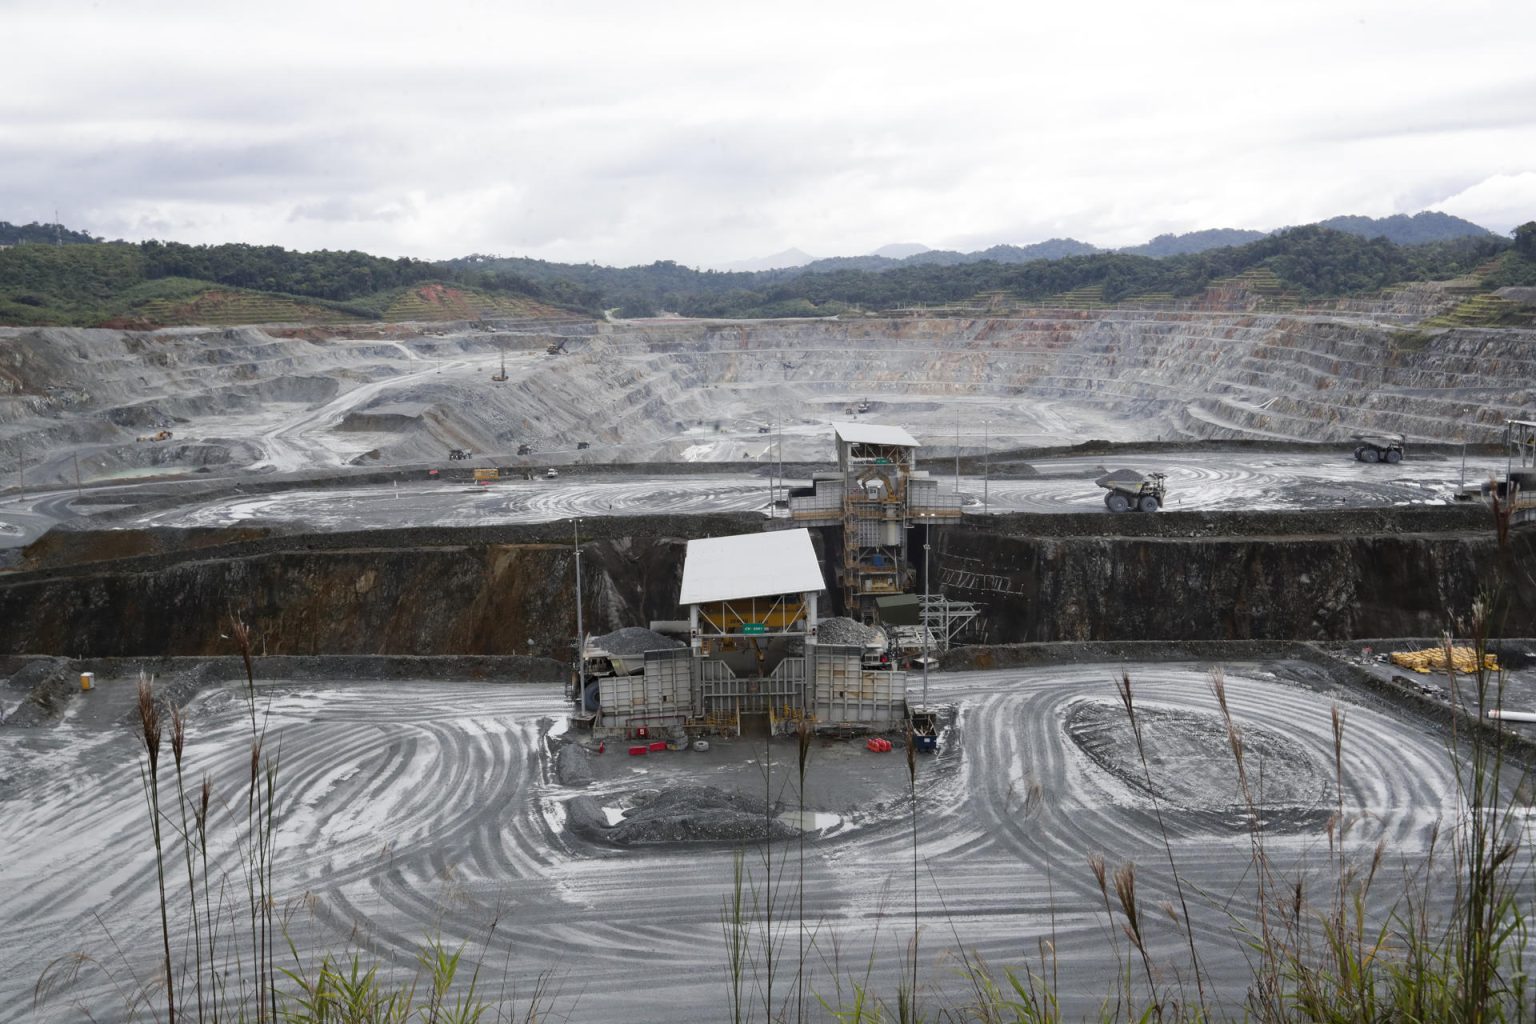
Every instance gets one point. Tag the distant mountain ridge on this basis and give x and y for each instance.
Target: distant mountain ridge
(1426, 226)
(90, 281)
(785, 260)
(1051, 249)
(1400, 229)
(1194, 241)
(900, 250)
(146, 284)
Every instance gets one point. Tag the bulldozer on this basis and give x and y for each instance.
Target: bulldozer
(1127, 490)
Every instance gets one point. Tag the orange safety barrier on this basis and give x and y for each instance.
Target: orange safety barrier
(638, 751)
(878, 745)
(658, 745)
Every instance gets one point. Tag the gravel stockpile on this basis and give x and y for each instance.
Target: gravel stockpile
(838, 631)
(633, 640)
(841, 630)
(687, 814)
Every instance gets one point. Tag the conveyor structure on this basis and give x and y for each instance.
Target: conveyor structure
(876, 495)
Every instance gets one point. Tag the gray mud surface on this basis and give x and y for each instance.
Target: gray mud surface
(408, 797)
(1291, 789)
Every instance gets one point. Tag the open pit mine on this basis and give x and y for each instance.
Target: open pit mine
(540, 624)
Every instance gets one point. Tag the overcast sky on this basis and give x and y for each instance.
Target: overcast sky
(625, 132)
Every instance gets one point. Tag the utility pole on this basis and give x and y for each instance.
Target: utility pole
(986, 467)
(779, 426)
(957, 451)
(76, 455)
(773, 473)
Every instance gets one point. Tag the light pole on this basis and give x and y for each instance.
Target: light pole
(581, 639)
(924, 616)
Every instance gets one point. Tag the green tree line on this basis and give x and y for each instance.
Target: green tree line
(78, 282)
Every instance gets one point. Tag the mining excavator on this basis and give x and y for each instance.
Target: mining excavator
(1127, 490)
(556, 348)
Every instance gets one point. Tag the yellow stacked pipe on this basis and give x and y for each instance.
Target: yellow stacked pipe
(1435, 659)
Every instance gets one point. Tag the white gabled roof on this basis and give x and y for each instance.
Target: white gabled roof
(872, 433)
(750, 565)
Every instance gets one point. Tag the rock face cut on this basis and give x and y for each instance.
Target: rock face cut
(1177, 576)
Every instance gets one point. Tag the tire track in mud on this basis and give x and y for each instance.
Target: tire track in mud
(1396, 785)
(1213, 481)
(1234, 481)
(414, 811)
(504, 502)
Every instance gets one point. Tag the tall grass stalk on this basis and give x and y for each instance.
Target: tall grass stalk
(1188, 925)
(909, 1006)
(150, 726)
(733, 927)
(768, 887)
(178, 745)
(1484, 848)
(803, 736)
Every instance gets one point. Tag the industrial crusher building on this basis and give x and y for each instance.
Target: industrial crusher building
(752, 663)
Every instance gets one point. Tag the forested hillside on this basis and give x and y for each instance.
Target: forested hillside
(45, 234)
(151, 283)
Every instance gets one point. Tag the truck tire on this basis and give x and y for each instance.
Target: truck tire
(1370, 455)
(1359, 454)
(1148, 503)
(1394, 456)
(1117, 502)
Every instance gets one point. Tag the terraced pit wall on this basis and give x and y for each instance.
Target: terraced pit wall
(1317, 377)
(1176, 576)
(1184, 374)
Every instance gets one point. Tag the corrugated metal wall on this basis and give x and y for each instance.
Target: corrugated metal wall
(846, 695)
(663, 691)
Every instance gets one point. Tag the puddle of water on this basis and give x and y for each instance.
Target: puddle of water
(811, 821)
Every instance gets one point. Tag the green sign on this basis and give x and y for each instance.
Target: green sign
(753, 628)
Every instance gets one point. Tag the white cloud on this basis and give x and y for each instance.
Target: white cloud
(706, 132)
(1500, 202)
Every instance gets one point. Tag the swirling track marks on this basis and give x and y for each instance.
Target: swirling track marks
(418, 809)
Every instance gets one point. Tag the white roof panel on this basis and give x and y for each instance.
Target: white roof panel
(873, 433)
(750, 565)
